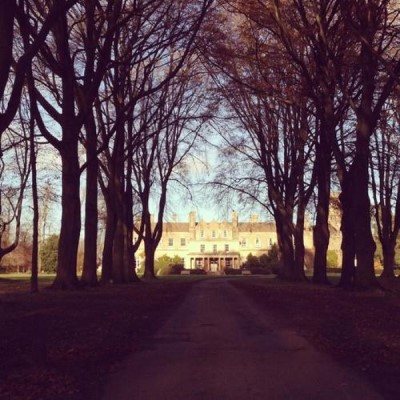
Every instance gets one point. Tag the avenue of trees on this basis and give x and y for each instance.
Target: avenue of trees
(304, 95)
(313, 89)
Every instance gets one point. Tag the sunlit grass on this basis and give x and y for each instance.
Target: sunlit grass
(24, 277)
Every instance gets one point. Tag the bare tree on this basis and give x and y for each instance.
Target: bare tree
(18, 16)
(157, 46)
(172, 120)
(266, 97)
(14, 174)
(373, 27)
(70, 71)
(385, 183)
(346, 55)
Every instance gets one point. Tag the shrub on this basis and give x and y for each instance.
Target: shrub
(176, 269)
(332, 259)
(274, 254)
(163, 265)
(265, 264)
(49, 254)
(19, 260)
(197, 271)
(232, 271)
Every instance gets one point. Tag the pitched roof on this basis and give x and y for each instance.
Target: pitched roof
(256, 227)
(176, 227)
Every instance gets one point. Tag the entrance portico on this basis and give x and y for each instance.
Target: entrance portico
(213, 262)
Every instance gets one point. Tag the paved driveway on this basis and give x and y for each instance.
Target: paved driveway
(219, 346)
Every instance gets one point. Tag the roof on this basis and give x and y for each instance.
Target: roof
(176, 226)
(256, 227)
(242, 227)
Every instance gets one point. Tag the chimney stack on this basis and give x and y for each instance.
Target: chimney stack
(254, 218)
(235, 218)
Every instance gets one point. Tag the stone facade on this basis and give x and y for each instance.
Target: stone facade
(214, 245)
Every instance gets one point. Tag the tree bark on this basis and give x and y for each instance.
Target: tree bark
(299, 252)
(149, 250)
(357, 239)
(89, 272)
(389, 253)
(365, 244)
(285, 244)
(321, 229)
(35, 222)
(118, 250)
(347, 278)
(129, 262)
(66, 276)
(7, 16)
(106, 271)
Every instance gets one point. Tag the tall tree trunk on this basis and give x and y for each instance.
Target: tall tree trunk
(89, 273)
(299, 248)
(365, 244)
(129, 251)
(117, 181)
(66, 276)
(321, 229)
(149, 250)
(357, 218)
(299, 252)
(388, 249)
(106, 266)
(285, 243)
(357, 239)
(35, 233)
(118, 251)
(347, 278)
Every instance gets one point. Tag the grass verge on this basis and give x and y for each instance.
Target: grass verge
(359, 329)
(60, 345)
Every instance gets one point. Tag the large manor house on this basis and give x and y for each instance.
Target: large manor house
(214, 246)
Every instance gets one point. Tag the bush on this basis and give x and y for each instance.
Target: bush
(163, 265)
(176, 269)
(332, 259)
(274, 255)
(49, 254)
(197, 271)
(232, 271)
(265, 264)
(20, 259)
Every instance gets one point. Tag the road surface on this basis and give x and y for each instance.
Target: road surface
(219, 346)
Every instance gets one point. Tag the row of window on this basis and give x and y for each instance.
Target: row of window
(242, 243)
(214, 234)
(214, 248)
(171, 242)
